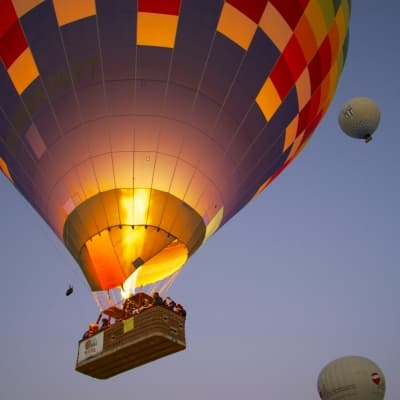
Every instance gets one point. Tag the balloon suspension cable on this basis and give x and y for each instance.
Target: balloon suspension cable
(169, 282)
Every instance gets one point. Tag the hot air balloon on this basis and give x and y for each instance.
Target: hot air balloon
(359, 117)
(138, 128)
(351, 377)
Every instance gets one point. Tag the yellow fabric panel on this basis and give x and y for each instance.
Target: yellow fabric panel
(128, 324)
(68, 11)
(334, 39)
(329, 86)
(290, 133)
(23, 6)
(268, 99)
(163, 265)
(303, 88)
(316, 20)
(306, 38)
(341, 21)
(23, 71)
(214, 224)
(328, 11)
(275, 27)
(345, 6)
(156, 29)
(236, 26)
(4, 169)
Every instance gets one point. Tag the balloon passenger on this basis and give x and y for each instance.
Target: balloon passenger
(169, 303)
(105, 323)
(180, 310)
(146, 304)
(157, 299)
(93, 329)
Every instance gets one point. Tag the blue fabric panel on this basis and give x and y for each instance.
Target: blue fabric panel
(222, 65)
(122, 34)
(117, 41)
(260, 59)
(120, 97)
(82, 47)
(42, 32)
(285, 113)
(179, 102)
(196, 27)
(249, 129)
(36, 101)
(205, 111)
(149, 97)
(224, 129)
(153, 62)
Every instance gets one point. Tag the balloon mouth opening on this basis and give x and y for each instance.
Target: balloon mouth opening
(145, 237)
(156, 274)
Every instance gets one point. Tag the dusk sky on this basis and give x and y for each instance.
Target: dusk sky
(307, 272)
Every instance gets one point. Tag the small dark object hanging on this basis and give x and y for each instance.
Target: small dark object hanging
(69, 290)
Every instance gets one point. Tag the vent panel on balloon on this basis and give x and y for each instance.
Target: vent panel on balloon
(129, 343)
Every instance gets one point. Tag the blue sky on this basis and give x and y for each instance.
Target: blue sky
(307, 272)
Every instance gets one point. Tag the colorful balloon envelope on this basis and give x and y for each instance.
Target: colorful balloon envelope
(136, 129)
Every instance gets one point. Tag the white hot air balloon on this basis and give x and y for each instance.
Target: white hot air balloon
(359, 117)
(351, 377)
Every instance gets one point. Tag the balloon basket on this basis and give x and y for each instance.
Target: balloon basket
(148, 336)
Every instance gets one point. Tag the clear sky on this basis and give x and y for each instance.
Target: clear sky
(307, 272)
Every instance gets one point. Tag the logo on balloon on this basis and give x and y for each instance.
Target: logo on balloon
(348, 112)
(90, 343)
(376, 378)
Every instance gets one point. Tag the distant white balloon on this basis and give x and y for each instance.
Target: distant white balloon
(359, 117)
(351, 377)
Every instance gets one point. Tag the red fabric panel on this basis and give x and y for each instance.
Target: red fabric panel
(291, 10)
(170, 7)
(308, 113)
(294, 58)
(320, 64)
(281, 77)
(12, 44)
(254, 9)
(313, 125)
(7, 16)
